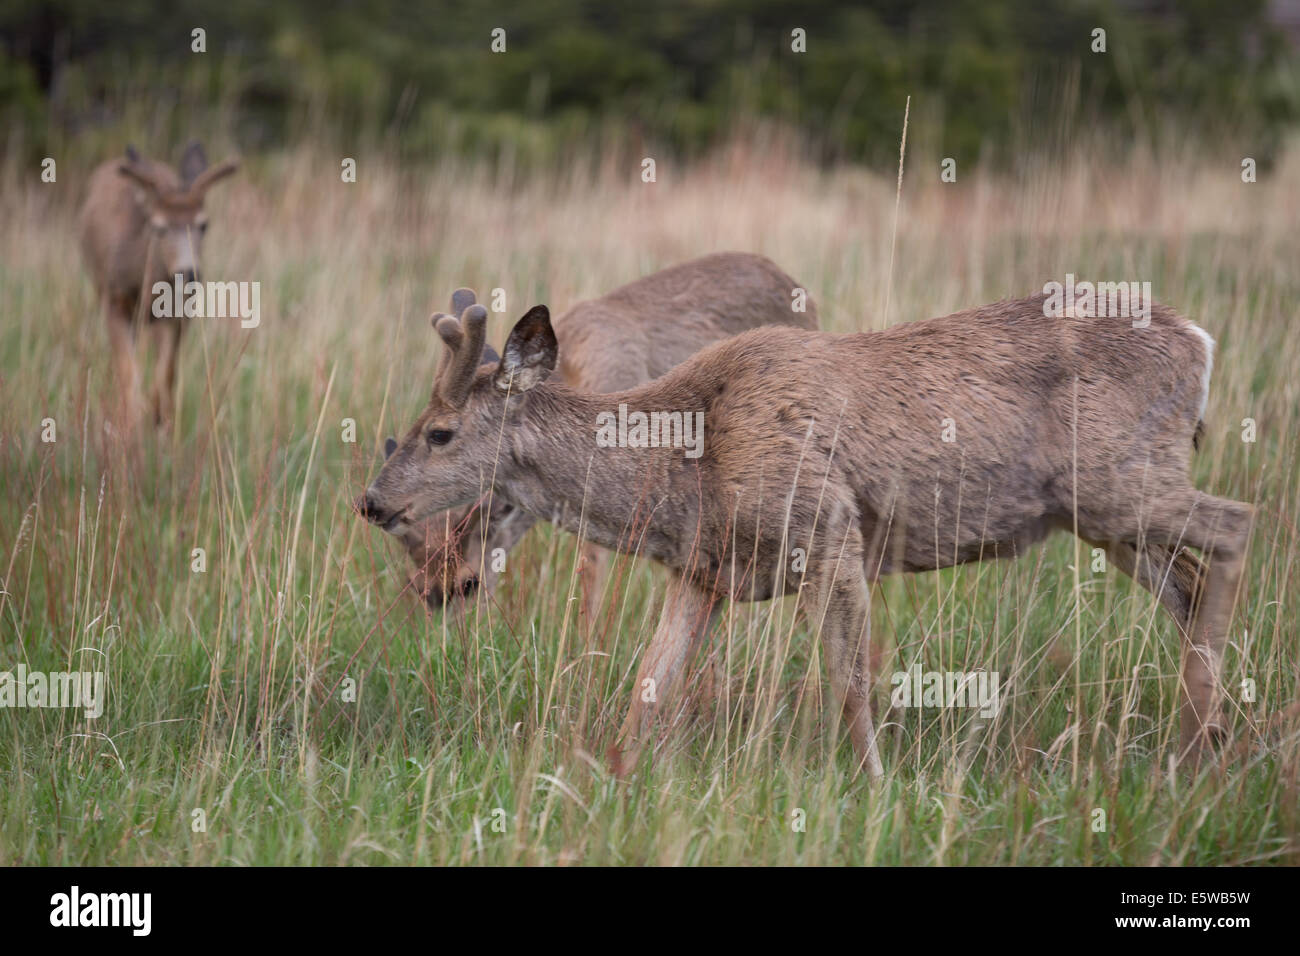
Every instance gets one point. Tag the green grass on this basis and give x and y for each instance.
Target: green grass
(482, 743)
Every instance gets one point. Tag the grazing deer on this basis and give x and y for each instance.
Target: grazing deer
(142, 223)
(629, 336)
(836, 444)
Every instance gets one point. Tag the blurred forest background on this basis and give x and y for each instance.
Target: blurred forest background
(988, 80)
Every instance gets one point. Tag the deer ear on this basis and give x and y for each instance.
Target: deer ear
(390, 446)
(530, 352)
(193, 162)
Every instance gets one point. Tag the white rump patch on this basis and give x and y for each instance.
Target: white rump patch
(1208, 342)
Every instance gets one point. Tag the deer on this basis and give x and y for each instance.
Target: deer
(626, 337)
(836, 444)
(143, 222)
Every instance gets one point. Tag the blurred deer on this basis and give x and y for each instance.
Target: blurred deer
(923, 446)
(143, 222)
(629, 336)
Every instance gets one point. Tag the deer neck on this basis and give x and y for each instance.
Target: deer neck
(610, 495)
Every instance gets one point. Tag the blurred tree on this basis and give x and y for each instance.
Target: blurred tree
(680, 72)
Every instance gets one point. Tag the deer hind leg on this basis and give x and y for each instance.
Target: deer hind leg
(840, 611)
(1201, 598)
(687, 616)
(1174, 575)
(168, 333)
(1219, 527)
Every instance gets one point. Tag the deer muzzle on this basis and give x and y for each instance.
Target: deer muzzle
(380, 514)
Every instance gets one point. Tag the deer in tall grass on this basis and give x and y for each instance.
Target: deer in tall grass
(143, 222)
(627, 337)
(836, 444)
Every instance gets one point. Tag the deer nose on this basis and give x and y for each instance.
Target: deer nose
(371, 510)
(377, 514)
(437, 598)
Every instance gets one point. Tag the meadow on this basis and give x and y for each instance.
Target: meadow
(291, 703)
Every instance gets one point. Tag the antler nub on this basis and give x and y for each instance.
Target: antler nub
(204, 180)
(462, 349)
(461, 300)
(448, 329)
(135, 168)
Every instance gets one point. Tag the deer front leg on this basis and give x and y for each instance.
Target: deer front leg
(121, 339)
(687, 615)
(843, 617)
(168, 334)
(593, 571)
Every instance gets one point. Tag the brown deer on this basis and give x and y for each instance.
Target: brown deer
(629, 336)
(143, 222)
(838, 444)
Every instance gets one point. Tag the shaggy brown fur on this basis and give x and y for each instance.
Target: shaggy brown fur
(923, 446)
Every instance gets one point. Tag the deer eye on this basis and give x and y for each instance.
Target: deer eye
(439, 436)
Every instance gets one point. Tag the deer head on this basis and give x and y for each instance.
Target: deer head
(449, 548)
(454, 550)
(173, 207)
(456, 451)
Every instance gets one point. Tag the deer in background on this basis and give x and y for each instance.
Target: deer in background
(834, 444)
(622, 339)
(143, 222)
